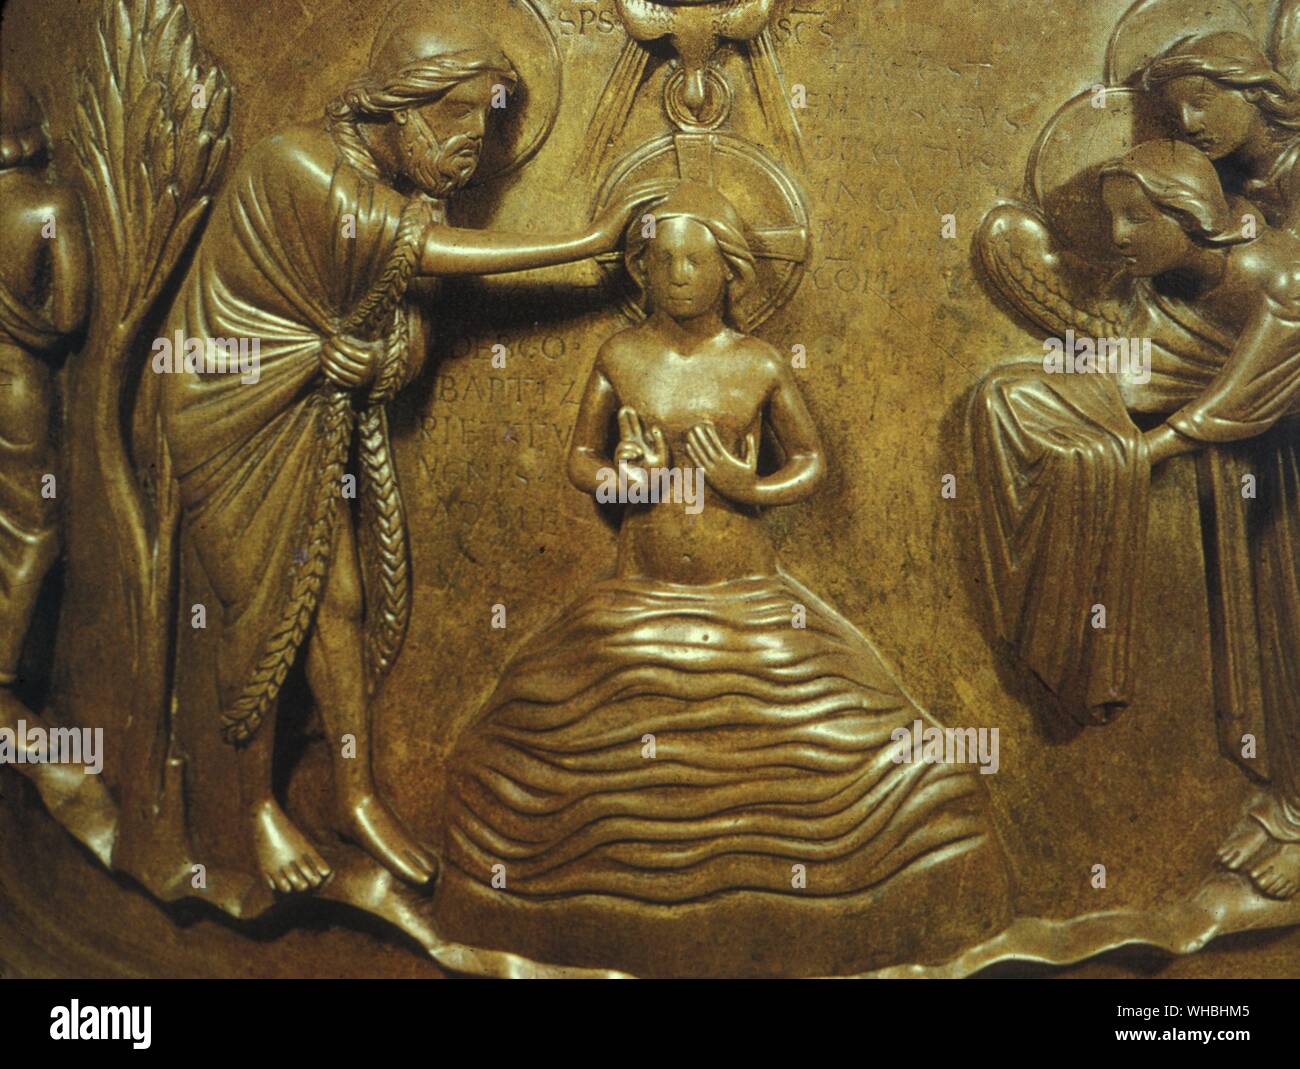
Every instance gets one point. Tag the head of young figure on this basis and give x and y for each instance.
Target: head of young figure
(695, 259)
(1166, 205)
(1223, 93)
(430, 93)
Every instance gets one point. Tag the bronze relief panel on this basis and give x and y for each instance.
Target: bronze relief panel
(650, 487)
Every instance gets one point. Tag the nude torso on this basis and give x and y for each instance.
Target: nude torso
(726, 381)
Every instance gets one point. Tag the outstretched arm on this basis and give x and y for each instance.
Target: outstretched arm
(1259, 383)
(450, 250)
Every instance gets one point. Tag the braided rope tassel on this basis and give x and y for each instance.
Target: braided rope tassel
(383, 297)
(388, 530)
(306, 576)
(387, 571)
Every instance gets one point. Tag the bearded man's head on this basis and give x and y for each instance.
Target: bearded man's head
(435, 79)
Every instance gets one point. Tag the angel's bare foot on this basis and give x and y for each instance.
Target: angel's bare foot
(1243, 844)
(285, 856)
(369, 823)
(1277, 872)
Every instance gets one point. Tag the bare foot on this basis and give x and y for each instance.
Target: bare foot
(1243, 843)
(81, 803)
(1277, 873)
(369, 823)
(74, 796)
(285, 856)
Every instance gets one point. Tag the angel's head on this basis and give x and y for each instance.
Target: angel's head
(1166, 206)
(22, 136)
(1223, 93)
(426, 101)
(695, 258)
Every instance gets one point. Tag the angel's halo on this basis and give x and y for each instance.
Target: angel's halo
(1063, 175)
(1149, 27)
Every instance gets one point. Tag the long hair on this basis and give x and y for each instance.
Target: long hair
(1234, 61)
(420, 83)
(1181, 181)
(708, 207)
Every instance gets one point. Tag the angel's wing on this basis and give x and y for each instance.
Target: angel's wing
(1052, 288)
(1284, 41)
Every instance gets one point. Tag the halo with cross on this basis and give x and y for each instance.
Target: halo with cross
(775, 214)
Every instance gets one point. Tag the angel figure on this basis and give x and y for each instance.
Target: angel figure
(1231, 100)
(1170, 216)
(1061, 447)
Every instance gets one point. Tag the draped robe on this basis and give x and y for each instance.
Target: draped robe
(298, 240)
(1064, 477)
(29, 540)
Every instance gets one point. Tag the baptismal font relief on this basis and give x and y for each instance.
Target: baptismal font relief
(687, 761)
(228, 458)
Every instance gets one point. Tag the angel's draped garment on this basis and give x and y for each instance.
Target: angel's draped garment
(1064, 477)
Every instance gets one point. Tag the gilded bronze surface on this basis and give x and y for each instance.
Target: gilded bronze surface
(649, 488)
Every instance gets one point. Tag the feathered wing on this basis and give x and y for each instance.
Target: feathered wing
(1284, 41)
(1053, 288)
(150, 135)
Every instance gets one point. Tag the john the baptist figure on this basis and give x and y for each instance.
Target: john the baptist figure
(311, 249)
